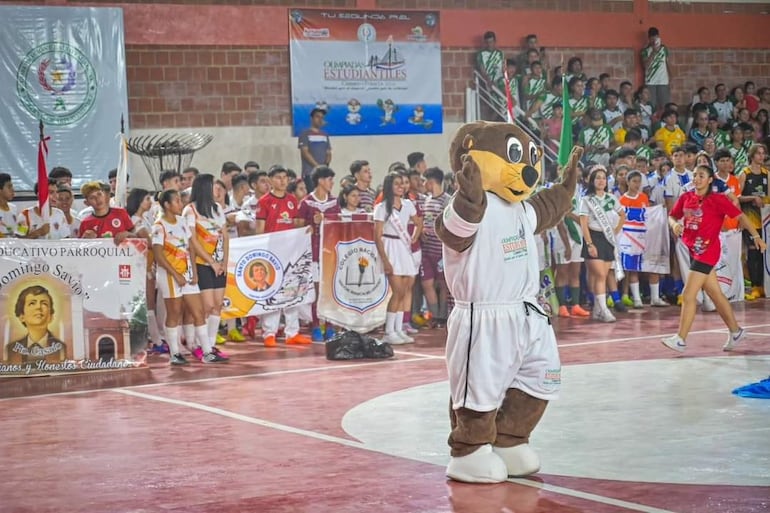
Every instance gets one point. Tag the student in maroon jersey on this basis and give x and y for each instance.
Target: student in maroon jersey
(431, 269)
(363, 176)
(702, 213)
(311, 211)
(104, 221)
(278, 211)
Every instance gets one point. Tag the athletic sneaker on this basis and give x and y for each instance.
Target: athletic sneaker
(606, 315)
(329, 333)
(674, 342)
(638, 304)
(627, 300)
(221, 354)
(406, 338)
(198, 353)
(410, 330)
(220, 339)
(298, 339)
(659, 302)
(578, 311)
(393, 339)
(212, 357)
(235, 336)
(733, 339)
(317, 335)
(178, 359)
(563, 311)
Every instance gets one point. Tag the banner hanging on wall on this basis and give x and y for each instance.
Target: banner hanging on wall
(66, 67)
(353, 289)
(268, 272)
(72, 305)
(375, 72)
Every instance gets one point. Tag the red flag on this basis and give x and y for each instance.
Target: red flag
(42, 178)
(508, 98)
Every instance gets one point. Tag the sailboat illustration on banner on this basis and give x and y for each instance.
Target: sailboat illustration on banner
(392, 59)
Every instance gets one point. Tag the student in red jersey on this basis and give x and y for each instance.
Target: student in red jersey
(703, 213)
(104, 221)
(278, 211)
(311, 213)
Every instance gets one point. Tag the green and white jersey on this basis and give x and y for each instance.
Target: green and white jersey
(546, 108)
(601, 137)
(644, 151)
(579, 106)
(491, 61)
(513, 85)
(607, 203)
(657, 72)
(740, 156)
(722, 139)
(535, 87)
(597, 103)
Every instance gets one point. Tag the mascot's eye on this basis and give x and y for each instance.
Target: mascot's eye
(515, 150)
(533, 156)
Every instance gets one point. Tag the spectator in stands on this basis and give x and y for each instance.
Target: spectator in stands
(393, 242)
(278, 211)
(761, 125)
(575, 69)
(597, 139)
(363, 175)
(64, 200)
(709, 147)
(722, 105)
(250, 167)
(534, 84)
(514, 85)
(764, 97)
(314, 145)
(642, 104)
(187, 177)
(551, 127)
(595, 99)
(490, 62)
(738, 147)
(721, 137)
(630, 121)
(578, 103)
(604, 84)
(670, 136)
(228, 172)
(699, 131)
(543, 107)
(531, 53)
(657, 72)
(613, 116)
(60, 175)
(434, 285)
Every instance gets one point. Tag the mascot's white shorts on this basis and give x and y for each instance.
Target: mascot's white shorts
(492, 347)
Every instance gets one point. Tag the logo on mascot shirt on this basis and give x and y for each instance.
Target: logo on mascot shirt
(551, 378)
(514, 246)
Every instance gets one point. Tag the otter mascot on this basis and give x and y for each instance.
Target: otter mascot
(501, 349)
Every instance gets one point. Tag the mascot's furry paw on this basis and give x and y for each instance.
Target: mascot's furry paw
(481, 466)
(520, 460)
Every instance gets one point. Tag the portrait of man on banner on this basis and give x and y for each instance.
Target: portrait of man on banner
(260, 278)
(35, 309)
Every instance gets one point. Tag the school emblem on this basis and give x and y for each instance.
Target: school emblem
(359, 283)
(55, 82)
(259, 274)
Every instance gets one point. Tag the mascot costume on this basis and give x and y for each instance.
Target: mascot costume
(501, 349)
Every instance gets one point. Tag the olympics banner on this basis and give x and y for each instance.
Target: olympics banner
(374, 72)
(66, 67)
(72, 305)
(354, 289)
(268, 272)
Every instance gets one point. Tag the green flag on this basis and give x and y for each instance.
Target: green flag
(565, 141)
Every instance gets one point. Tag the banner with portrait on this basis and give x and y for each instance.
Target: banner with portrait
(268, 272)
(72, 305)
(374, 72)
(354, 289)
(64, 66)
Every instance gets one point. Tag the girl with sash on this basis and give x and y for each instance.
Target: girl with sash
(601, 218)
(391, 218)
(702, 213)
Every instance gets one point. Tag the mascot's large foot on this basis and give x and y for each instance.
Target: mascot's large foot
(520, 460)
(481, 466)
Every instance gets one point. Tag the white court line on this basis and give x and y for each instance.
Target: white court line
(223, 378)
(647, 337)
(358, 445)
(421, 355)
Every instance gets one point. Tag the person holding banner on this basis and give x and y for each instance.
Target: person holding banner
(277, 211)
(394, 245)
(52, 227)
(601, 218)
(178, 279)
(210, 242)
(349, 202)
(104, 220)
(703, 213)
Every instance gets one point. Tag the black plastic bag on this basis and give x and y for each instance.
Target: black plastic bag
(350, 345)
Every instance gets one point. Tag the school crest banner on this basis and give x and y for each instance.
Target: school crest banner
(354, 289)
(66, 67)
(268, 272)
(72, 305)
(375, 72)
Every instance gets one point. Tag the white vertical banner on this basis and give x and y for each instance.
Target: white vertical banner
(66, 67)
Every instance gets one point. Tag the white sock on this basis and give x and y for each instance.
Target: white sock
(390, 322)
(188, 330)
(212, 325)
(635, 291)
(152, 327)
(601, 301)
(202, 337)
(172, 338)
(654, 291)
(399, 324)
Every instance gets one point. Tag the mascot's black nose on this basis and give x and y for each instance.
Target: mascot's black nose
(530, 175)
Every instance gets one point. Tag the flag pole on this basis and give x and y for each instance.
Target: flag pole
(43, 201)
(121, 179)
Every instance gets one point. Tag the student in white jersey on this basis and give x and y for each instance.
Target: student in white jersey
(10, 222)
(55, 227)
(178, 279)
(394, 245)
(210, 242)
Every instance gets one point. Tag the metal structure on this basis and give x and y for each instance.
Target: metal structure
(167, 151)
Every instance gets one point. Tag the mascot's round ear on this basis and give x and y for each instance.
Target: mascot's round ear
(462, 142)
(468, 142)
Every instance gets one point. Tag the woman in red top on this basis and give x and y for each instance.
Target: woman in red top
(703, 213)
